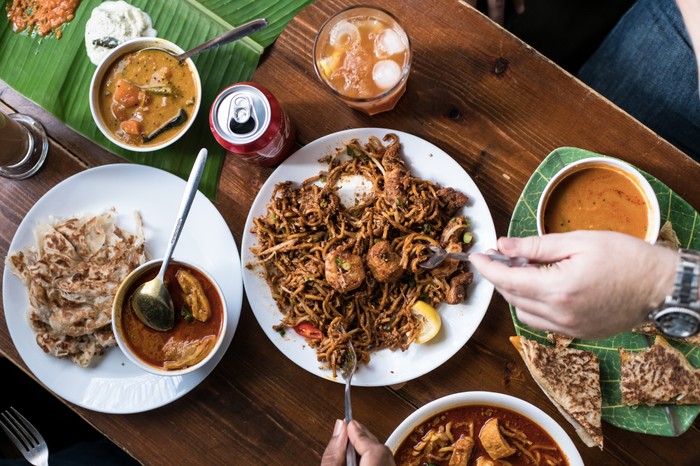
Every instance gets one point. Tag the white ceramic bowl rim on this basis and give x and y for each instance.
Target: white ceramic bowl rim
(487, 398)
(654, 210)
(115, 54)
(117, 309)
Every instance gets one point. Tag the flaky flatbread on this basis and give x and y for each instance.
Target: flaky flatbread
(571, 379)
(658, 375)
(72, 276)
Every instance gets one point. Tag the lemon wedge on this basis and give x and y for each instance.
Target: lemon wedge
(429, 321)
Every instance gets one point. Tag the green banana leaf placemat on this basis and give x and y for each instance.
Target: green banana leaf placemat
(56, 73)
(644, 419)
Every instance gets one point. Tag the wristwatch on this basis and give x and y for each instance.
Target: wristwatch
(679, 315)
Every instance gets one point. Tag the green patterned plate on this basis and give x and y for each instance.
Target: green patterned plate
(644, 419)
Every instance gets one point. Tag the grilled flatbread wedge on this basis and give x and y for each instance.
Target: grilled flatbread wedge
(658, 375)
(571, 379)
(648, 328)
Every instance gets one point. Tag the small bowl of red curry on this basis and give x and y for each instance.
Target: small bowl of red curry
(599, 193)
(473, 425)
(200, 320)
(142, 98)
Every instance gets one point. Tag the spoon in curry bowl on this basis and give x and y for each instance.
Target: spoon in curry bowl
(151, 301)
(234, 34)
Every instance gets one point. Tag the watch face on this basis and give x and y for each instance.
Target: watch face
(677, 322)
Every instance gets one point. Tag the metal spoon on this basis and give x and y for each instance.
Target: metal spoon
(234, 34)
(151, 301)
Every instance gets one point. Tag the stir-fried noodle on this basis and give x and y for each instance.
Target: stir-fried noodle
(330, 265)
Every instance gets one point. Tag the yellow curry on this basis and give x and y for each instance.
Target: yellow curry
(597, 198)
(147, 97)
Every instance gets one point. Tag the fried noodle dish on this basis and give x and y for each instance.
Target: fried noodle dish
(351, 273)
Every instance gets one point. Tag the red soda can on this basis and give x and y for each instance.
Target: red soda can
(247, 120)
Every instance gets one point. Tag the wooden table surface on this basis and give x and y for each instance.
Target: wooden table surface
(475, 91)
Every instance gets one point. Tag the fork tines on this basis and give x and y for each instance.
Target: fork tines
(22, 433)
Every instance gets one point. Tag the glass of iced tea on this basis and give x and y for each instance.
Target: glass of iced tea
(24, 146)
(364, 56)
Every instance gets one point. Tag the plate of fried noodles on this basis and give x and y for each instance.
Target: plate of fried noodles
(331, 252)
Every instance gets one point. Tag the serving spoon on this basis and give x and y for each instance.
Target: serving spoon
(151, 301)
(234, 34)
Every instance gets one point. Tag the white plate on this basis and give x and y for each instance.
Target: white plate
(458, 321)
(115, 385)
(486, 398)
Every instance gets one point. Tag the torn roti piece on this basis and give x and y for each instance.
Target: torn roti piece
(648, 328)
(571, 380)
(658, 375)
(72, 275)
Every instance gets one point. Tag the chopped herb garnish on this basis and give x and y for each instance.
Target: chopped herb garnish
(281, 332)
(187, 314)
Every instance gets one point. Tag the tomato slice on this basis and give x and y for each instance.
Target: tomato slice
(308, 331)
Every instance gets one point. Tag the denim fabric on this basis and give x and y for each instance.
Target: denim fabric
(647, 67)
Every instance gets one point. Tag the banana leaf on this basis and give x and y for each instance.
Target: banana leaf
(56, 73)
(644, 419)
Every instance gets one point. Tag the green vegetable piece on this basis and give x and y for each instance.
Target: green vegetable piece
(187, 314)
(467, 237)
(159, 90)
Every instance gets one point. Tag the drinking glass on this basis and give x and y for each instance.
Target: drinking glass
(23, 146)
(363, 55)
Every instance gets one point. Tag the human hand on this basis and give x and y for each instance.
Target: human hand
(601, 283)
(371, 451)
(496, 8)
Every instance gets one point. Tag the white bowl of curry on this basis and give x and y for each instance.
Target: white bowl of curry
(599, 193)
(481, 428)
(200, 320)
(142, 98)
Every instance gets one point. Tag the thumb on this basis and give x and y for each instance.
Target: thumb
(542, 249)
(334, 454)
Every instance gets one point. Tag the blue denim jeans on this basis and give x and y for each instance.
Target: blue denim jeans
(647, 67)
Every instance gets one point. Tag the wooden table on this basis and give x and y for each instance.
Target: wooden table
(477, 92)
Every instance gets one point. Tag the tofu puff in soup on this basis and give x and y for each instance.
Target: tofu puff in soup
(146, 97)
(479, 435)
(199, 321)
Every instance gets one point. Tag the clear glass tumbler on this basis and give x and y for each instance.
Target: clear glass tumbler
(363, 55)
(23, 146)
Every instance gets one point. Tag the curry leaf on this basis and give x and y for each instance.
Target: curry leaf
(56, 74)
(645, 419)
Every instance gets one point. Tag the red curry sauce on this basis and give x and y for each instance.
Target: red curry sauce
(43, 15)
(147, 343)
(461, 417)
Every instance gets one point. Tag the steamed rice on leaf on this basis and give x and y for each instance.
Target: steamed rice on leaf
(72, 276)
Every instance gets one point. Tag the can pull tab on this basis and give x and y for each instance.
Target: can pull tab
(242, 120)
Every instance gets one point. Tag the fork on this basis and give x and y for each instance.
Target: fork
(26, 438)
(348, 371)
(438, 255)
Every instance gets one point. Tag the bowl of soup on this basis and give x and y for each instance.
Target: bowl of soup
(142, 98)
(599, 193)
(200, 320)
(486, 425)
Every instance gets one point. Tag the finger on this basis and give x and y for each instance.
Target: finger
(543, 249)
(497, 10)
(531, 282)
(519, 6)
(334, 454)
(540, 323)
(361, 438)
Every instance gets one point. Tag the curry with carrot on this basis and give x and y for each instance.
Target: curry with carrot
(146, 97)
